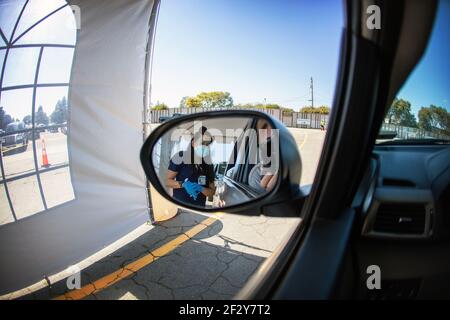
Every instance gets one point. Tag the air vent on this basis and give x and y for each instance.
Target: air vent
(398, 183)
(400, 218)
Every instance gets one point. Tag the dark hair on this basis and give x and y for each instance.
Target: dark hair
(268, 151)
(204, 168)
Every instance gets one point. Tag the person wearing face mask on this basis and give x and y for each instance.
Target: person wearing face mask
(191, 175)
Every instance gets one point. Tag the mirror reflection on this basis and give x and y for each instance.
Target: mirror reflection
(218, 162)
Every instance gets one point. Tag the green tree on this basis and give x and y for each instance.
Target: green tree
(160, 106)
(5, 119)
(193, 102)
(434, 118)
(183, 102)
(425, 119)
(27, 119)
(251, 105)
(41, 117)
(287, 111)
(442, 117)
(215, 99)
(320, 110)
(400, 113)
(307, 110)
(272, 106)
(409, 120)
(246, 105)
(2, 118)
(323, 110)
(60, 114)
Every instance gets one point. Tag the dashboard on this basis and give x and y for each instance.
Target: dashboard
(408, 193)
(404, 222)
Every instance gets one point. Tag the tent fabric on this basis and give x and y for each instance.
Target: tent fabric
(106, 99)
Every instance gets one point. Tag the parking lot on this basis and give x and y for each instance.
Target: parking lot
(24, 191)
(192, 256)
(17, 162)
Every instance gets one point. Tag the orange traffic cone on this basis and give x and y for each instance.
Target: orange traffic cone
(45, 163)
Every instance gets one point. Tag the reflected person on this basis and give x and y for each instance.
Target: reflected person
(190, 172)
(262, 178)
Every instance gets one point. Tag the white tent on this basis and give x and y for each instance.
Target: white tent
(108, 93)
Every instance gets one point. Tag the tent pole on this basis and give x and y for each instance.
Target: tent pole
(147, 89)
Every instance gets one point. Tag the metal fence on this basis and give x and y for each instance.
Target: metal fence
(294, 119)
(302, 120)
(412, 133)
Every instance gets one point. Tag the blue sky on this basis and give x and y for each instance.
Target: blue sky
(430, 81)
(270, 49)
(20, 68)
(252, 49)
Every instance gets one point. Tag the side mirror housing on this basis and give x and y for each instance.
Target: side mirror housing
(258, 154)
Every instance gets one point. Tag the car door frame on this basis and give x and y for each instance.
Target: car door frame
(312, 262)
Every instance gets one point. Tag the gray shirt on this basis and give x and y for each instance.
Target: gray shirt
(254, 178)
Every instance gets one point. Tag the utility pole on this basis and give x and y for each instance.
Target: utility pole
(312, 93)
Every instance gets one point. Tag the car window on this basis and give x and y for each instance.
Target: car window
(35, 162)
(279, 58)
(421, 110)
(235, 156)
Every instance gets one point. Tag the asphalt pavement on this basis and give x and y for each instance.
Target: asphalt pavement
(24, 191)
(194, 255)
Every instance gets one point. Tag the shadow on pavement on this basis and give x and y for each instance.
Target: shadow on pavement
(197, 269)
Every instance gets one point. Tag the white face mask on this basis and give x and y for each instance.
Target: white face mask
(201, 151)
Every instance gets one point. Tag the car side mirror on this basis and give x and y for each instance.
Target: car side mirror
(258, 156)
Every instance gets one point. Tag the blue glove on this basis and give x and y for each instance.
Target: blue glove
(197, 189)
(192, 188)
